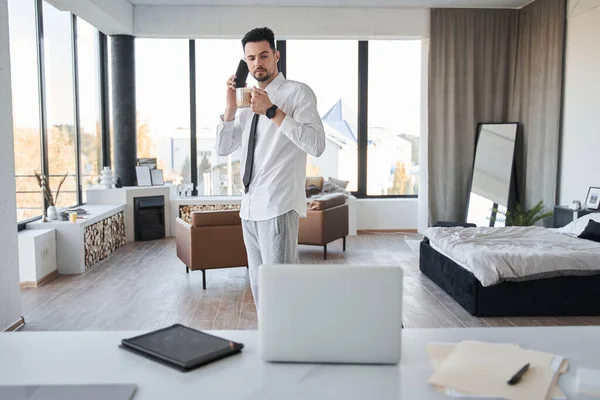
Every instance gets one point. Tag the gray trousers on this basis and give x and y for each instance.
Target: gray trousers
(273, 241)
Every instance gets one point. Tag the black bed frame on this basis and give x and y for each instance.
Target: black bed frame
(560, 296)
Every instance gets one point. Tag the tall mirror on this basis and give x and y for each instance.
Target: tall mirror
(493, 182)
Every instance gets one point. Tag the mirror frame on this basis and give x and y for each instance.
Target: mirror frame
(513, 191)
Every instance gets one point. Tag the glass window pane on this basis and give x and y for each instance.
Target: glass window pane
(59, 104)
(110, 109)
(25, 96)
(89, 106)
(163, 105)
(217, 175)
(336, 88)
(394, 117)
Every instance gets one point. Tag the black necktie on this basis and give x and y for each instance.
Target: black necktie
(250, 155)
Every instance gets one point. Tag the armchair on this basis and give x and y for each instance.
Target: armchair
(326, 221)
(212, 240)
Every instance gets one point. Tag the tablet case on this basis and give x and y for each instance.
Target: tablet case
(153, 345)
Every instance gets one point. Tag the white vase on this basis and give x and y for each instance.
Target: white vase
(106, 177)
(51, 213)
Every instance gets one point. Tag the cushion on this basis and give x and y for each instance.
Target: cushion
(338, 182)
(216, 218)
(577, 227)
(330, 187)
(327, 201)
(591, 232)
(312, 190)
(315, 181)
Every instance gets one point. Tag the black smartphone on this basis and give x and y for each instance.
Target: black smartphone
(241, 74)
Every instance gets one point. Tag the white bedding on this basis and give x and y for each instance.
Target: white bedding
(495, 255)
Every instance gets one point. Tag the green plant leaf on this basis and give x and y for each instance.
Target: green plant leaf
(528, 217)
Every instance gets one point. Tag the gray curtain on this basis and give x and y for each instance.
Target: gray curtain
(536, 99)
(471, 74)
(491, 66)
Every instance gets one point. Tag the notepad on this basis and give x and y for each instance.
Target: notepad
(480, 369)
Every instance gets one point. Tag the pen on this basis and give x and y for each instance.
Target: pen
(517, 377)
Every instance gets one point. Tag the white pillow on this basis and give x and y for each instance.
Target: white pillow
(576, 227)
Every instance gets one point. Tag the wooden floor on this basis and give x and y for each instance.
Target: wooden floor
(144, 286)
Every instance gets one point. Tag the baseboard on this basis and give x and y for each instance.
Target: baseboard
(16, 325)
(51, 276)
(387, 231)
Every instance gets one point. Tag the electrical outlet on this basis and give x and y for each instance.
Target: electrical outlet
(44, 253)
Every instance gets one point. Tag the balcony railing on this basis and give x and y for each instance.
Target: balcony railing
(29, 194)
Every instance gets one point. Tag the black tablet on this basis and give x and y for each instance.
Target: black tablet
(181, 347)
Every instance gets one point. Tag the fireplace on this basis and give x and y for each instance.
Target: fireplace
(149, 218)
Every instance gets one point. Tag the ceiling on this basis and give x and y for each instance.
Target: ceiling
(341, 3)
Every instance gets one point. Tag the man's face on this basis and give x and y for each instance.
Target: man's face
(261, 60)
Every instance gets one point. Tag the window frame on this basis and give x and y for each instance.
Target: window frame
(42, 99)
(104, 101)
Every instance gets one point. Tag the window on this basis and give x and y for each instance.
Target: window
(216, 61)
(394, 112)
(163, 105)
(89, 107)
(25, 95)
(59, 104)
(110, 109)
(330, 68)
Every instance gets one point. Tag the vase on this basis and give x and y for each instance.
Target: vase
(106, 177)
(51, 213)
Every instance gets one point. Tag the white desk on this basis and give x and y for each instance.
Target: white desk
(93, 357)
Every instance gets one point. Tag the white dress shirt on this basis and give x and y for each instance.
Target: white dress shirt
(278, 177)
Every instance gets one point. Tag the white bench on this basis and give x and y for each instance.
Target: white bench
(216, 201)
(82, 244)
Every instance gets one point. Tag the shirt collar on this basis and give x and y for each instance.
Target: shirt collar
(275, 84)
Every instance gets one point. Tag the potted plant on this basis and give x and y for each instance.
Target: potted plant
(521, 217)
(44, 184)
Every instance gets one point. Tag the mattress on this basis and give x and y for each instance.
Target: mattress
(505, 254)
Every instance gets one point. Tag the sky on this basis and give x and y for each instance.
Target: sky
(58, 71)
(329, 67)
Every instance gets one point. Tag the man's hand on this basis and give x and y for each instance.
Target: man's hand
(231, 101)
(260, 101)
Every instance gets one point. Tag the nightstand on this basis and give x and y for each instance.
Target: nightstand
(563, 215)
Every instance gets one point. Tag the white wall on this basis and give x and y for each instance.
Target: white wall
(423, 210)
(286, 22)
(375, 214)
(110, 16)
(10, 295)
(581, 122)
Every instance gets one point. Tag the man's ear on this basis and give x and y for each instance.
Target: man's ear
(277, 55)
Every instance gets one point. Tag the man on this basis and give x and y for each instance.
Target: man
(276, 133)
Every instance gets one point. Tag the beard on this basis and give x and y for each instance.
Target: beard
(262, 78)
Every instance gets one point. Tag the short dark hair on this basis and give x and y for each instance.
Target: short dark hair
(258, 35)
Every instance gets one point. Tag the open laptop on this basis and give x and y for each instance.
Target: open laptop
(330, 313)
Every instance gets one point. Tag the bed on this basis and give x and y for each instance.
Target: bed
(515, 271)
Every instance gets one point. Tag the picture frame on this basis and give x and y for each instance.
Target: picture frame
(144, 177)
(157, 177)
(151, 162)
(592, 201)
